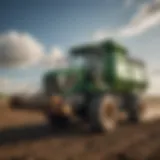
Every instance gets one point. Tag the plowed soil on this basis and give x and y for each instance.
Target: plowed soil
(28, 136)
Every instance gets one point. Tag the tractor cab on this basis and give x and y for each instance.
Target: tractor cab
(83, 73)
(96, 68)
(92, 59)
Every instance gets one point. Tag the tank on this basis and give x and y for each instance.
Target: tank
(138, 74)
(123, 73)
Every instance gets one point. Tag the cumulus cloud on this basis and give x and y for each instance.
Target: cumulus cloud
(19, 49)
(147, 16)
(155, 72)
(4, 82)
(23, 50)
(102, 34)
(10, 86)
(54, 59)
(154, 84)
(23, 87)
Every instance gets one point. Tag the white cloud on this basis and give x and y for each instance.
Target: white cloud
(154, 85)
(4, 82)
(23, 88)
(23, 50)
(147, 16)
(19, 50)
(10, 86)
(102, 34)
(153, 75)
(54, 59)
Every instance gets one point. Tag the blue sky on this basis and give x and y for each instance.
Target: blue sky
(61, 22)
(51, 27)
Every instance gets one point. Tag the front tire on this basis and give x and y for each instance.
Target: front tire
(103, 114)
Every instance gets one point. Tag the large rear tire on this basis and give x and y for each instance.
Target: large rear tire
(103, 114)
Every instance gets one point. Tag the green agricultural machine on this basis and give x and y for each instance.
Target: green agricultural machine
(101, 83)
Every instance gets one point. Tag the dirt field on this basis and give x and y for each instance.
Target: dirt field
(27, 136)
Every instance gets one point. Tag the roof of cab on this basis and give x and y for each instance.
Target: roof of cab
(98, 48)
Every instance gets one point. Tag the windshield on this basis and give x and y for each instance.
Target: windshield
(60, 83)
(65, 81)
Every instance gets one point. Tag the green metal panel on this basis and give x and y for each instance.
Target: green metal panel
(138, 78)
(116, 67)
(120, 73)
